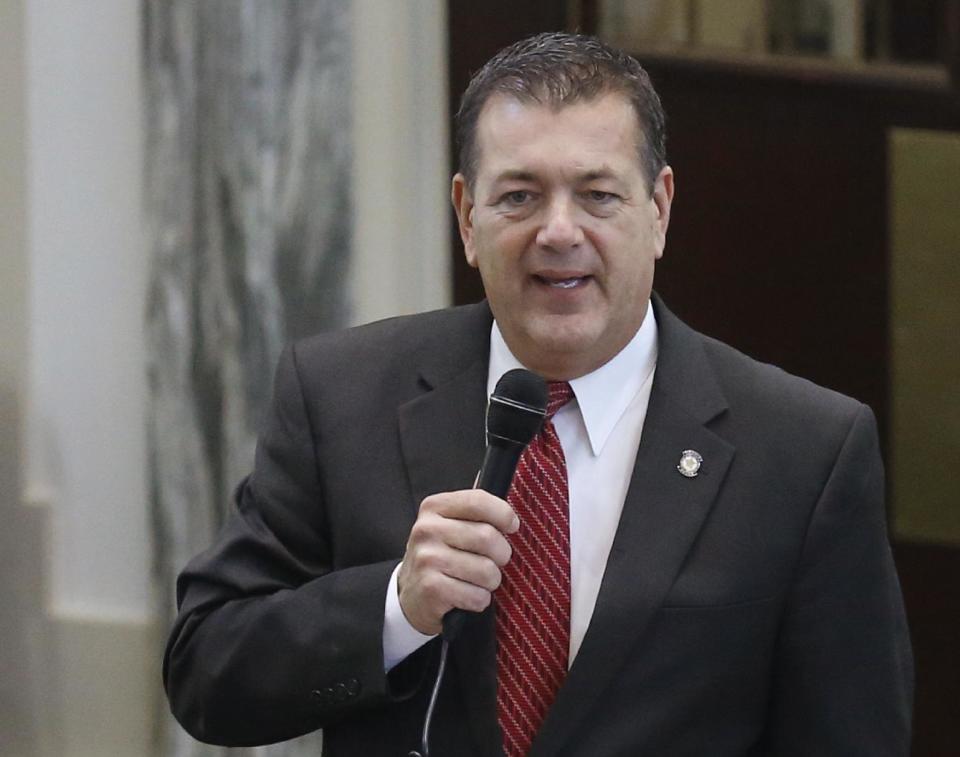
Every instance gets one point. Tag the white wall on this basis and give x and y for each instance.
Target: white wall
(88, 274)
(93, 657)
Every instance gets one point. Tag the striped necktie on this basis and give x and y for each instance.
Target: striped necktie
(533, 601)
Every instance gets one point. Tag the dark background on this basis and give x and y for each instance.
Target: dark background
(778, 243)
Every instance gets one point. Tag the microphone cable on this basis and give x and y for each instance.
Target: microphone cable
(515, 413)
(428, 718)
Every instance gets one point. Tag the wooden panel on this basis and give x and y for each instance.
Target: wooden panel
(477, 31)
(780, 246)
(930, 576)
(777, 242)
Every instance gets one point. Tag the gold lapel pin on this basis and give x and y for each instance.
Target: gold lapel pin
(690, 462)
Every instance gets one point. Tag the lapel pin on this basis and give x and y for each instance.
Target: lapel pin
(690, 462)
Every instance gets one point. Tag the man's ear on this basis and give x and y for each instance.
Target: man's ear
(462, 200)
(662, 198)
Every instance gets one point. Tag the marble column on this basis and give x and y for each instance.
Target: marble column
(248, 145)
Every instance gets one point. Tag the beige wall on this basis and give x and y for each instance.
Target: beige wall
(79, 646)
(75, 546)
(924, 328)
(401, 166)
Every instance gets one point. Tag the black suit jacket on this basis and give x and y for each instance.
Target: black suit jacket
(751, 610)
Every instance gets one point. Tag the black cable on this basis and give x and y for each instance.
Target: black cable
(425, 738)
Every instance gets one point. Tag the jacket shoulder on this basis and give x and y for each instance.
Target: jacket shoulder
(780, 409)
(743, 375)
(752, 390)
(448, 336)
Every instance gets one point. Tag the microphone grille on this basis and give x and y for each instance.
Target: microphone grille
(517, 407)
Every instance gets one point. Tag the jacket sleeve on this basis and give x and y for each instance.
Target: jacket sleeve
(273, 639)
(843, 678)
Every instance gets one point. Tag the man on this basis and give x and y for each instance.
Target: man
(719, 576)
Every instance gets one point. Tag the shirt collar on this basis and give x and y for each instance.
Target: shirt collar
(604, 394)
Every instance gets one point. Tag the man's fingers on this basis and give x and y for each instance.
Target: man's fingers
(434, 582)
(469, 596)
(480, 539)
(474, 505)
(438, 525)
(469, 567)
(439, 593)
(454, 554)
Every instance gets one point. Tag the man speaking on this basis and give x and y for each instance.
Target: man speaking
(692, 560)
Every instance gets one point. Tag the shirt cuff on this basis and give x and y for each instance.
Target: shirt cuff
(400, 639)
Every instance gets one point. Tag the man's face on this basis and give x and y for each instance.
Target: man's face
(563, 229)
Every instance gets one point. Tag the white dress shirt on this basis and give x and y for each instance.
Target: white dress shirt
(600, 434)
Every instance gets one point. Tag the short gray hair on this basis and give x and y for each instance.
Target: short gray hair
(556, 69)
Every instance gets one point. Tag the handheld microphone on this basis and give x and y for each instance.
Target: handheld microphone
(514, 415)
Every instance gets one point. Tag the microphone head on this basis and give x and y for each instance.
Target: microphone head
(517, 408)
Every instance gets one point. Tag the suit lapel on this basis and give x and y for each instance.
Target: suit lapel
(442, 438)
(662, 515)
(442, 433)
(442, 428)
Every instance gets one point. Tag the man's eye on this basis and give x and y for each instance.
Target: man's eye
(600, 197)
(517, 197)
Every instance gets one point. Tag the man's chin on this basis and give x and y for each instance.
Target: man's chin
(559, 350)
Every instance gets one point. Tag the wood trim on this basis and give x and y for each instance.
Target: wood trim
(941, 81)
(912, 78)
(952, 25)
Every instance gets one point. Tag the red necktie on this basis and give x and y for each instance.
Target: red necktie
(533, 601)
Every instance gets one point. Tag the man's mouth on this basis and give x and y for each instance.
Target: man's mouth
(562, 283)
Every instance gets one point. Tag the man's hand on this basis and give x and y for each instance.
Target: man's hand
(454, 555)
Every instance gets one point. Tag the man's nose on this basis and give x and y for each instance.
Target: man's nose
(560, 229)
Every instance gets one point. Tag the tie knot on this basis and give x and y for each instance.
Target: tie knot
(559, 394)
